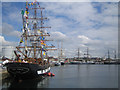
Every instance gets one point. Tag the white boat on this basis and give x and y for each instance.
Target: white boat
(57, 63)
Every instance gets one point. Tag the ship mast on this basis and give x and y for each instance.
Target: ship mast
(108, 54)
(61, 50)
(87, 58)
(87, 53)
(78, 53)
(34, 38)
(58, 51)
(26, 34)
(35, 26)
(41, 24)
(115, 55)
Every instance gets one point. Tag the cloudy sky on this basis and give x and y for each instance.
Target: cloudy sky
(76, 24)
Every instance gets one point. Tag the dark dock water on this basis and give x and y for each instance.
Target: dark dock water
(73, 76)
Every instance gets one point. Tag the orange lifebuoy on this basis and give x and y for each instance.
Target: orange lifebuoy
(51, 74)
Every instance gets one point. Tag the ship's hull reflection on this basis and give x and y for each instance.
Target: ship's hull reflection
(10, 83)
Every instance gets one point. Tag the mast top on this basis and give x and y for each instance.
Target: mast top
(34, 34)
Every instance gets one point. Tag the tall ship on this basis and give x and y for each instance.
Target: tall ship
(31, 58)
(61, 57)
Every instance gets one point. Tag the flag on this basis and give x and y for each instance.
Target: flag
(39, 31)
(25, 15)
(21, 41)
(44, 44)
(41, 41)
(44, 53)
(44, 47)
(23, 30)
(26, 12)
(26, 8)
(22, 12)
(42, 38)
(28, 29)
(43, 50)
(29, 4)
(26, 48)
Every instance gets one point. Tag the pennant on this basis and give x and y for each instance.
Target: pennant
(43, 50)
(23, 26)
(23, 30)
(44, 44)
(26, 25)
(26, 48)
(21, 41)
(41, 41)
(28, 29)
(44, 53)
(26, 7)
(42, 38)
(25, 15)
(22, 12)
(31, 3)
(26, 12)
(39, 31)
(44, 47)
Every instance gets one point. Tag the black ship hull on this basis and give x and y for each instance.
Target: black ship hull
(62, 63)
(27, 70)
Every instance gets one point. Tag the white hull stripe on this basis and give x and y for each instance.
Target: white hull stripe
(43, 71)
